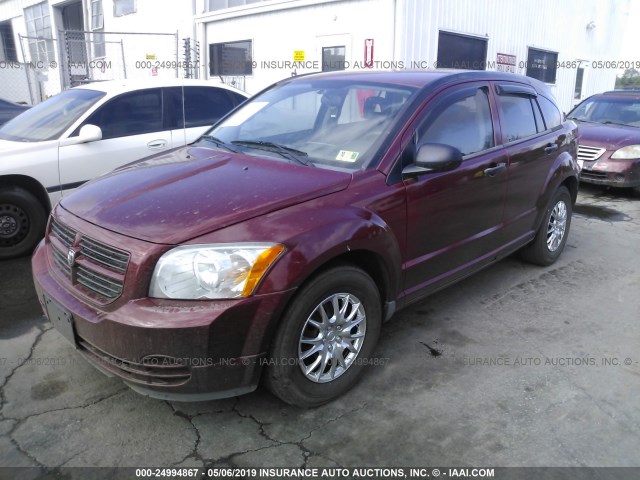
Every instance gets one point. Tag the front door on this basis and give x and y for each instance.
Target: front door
(133, 127)
(455, 218)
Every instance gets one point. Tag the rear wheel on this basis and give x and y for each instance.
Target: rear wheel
(551, 237)
(326, 335)
(22, 222)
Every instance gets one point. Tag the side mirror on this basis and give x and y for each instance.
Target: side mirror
(88, 133)
(433, 158)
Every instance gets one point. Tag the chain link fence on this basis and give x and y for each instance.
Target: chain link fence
(79, 57)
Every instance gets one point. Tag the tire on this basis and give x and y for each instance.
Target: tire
(284, 377)
(546, 246)
(22, 222)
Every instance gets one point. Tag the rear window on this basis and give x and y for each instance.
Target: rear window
(550, 112)
(519, 120)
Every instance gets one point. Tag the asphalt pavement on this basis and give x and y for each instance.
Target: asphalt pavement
(516, 366)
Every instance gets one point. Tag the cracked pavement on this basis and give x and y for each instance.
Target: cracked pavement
(512, 367)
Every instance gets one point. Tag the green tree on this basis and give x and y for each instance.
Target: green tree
(629, 79)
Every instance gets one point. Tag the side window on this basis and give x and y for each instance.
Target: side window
(518, 119)
(550, 112)
(236, 97)
(203, 106)
(464, 124)
(130, 114)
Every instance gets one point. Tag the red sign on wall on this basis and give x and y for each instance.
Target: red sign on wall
(368, 52)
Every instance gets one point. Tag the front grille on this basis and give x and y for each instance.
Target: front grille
(165, 372)
(109, 257)
(101, 284)
(64, 234)
(589, 154)
(97, 269)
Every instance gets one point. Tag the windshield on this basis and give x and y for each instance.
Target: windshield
(51, 118)
(336, 124)
(609, 110)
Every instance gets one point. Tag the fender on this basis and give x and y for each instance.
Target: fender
(564, 167)
(339, 233)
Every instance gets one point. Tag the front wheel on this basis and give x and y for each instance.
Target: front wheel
(22, 222)
(325, 338)
(551, 237)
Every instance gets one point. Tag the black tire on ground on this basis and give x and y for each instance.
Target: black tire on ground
(22, 222)
(284, 376)
(539, 251)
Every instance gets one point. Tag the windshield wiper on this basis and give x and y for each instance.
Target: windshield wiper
(609, 122)
(286, 152)
(218, 143)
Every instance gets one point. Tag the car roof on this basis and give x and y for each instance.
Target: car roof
(115, 87)
(424, 78)
(622, 93)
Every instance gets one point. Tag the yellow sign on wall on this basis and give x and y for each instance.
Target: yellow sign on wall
(151, 56)
(298, 55)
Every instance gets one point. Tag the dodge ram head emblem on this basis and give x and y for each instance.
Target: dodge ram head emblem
(71, 257)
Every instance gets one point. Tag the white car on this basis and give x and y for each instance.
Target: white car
(86, 131)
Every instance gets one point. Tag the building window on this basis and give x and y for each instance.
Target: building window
(8, 52)
(461, 51)
(213, 5)
(333, 58)
(231, 58)
(97, 26)
(577, 94)
(123, 7)
(541, 65)
(39, 32)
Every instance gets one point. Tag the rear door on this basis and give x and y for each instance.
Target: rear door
(532, 146)
(454, 218)
(133, 127)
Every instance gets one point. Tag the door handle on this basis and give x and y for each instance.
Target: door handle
(157, 144)
(492, 171)
(552, 147)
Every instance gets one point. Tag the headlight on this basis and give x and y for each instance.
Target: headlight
(194, 272)
(625, 153)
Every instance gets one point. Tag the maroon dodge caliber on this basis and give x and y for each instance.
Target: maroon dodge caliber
(273, 248)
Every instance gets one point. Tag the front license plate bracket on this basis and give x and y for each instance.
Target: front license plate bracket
(61, 319)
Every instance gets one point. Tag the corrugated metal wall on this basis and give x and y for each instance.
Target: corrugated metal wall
(407, 30)
(513, 26)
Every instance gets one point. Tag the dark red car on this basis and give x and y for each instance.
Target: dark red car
(609, 150)
(275, 246)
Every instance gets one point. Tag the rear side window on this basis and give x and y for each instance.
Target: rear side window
(464, 124)
(203, 106)
(518, 118)
(130, 114)
(550, 112)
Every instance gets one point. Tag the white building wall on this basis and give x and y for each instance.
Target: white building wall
(511, 27)
(277, 29)
(407, 30)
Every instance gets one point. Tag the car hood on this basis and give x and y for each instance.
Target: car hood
(611, 137)
(192, 191)
(9, 146)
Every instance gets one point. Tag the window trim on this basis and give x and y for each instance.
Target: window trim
(472, 36)
(528, 137)
(34, 44)
(135, 9)
(211, 64)
(109, 100)
(460, 93)
(555, 67)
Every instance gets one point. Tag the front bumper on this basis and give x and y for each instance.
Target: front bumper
(613, 173)
(169, 349)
